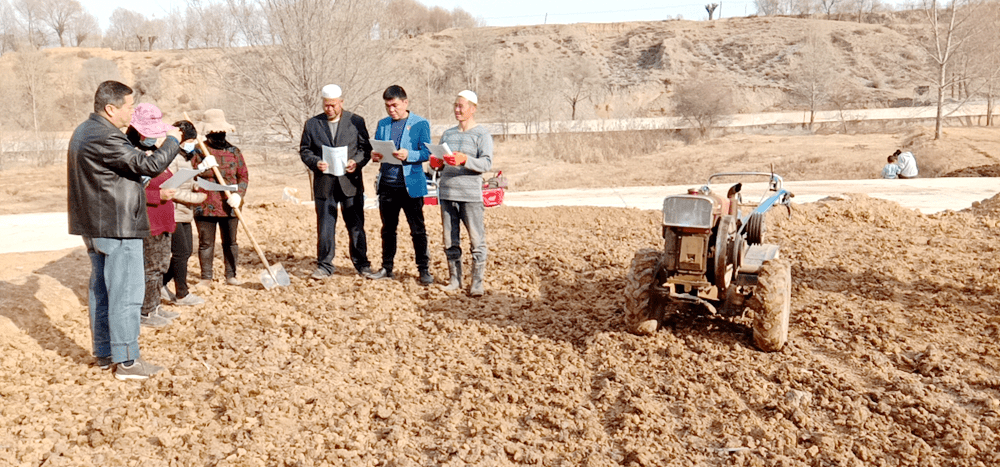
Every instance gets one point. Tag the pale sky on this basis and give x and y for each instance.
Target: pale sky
(500, 12)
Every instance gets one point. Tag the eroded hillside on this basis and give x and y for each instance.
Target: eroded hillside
(525, 72)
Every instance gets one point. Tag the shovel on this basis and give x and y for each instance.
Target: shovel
(274, 275)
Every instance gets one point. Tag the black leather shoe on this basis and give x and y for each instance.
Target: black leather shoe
(365, 271)
(426, 278)
(380, 274)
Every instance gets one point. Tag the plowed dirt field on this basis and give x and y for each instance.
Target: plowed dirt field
(892, 357)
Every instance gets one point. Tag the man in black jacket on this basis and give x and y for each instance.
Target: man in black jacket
(339, 131)
(107, 206)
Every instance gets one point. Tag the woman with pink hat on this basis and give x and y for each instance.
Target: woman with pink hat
(145, 130)
(216, 211)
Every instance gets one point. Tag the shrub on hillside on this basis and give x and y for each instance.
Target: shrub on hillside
(704, 102)
(148, 83)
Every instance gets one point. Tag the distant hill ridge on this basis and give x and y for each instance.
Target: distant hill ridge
(631, 69)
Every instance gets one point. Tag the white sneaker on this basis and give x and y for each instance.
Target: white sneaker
(140, 369)
(166, 295)
(164, 313)
(189, 300)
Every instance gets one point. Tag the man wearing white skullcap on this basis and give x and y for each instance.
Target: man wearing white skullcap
(337, 128)
(460, 190)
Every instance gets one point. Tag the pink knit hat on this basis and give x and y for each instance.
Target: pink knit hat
(147, 120)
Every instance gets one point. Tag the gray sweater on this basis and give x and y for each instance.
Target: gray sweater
(465, 182)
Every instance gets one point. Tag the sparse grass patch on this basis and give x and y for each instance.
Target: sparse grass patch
(46, 158)
(597, 148)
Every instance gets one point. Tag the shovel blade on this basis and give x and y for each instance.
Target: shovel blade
(277, 272)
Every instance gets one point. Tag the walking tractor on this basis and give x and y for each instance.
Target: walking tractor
(714, 257)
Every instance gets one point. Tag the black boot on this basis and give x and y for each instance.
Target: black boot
(425, 277)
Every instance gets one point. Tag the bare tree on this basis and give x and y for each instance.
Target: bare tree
(153, 30)
(983, 59)
(463, 19)
(475, 59)
(704, 102)
(249, 25)
(315, 42)
(580, 81)
(438, 19)
(710, 8)
(770, 7)
(32, 70)
(82, 28)
(859, 6)
(827, 6)
(844, 97)
(219, 26)
(58, 15)
(30, 14)
(950, 29)
(803, 7)
(190, 26)
(811, 77)
(9, 28)
(521, 92)
(124, 29)
(410, 18)
(403, 18)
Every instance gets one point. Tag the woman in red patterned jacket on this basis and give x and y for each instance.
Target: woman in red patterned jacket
(216, 211)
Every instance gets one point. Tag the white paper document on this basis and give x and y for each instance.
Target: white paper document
(336, 159)
(385, 148)
(439, 150)
(211, 186)
(179, 178)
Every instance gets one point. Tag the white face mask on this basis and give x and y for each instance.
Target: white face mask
(188, 147)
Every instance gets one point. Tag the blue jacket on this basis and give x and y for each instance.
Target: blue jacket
(416, 136)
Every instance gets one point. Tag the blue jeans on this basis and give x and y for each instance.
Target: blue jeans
(470, 214)
(117, 287)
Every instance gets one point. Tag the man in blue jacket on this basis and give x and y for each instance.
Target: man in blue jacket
(402, 185)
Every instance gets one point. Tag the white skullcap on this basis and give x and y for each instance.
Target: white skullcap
(469, 96)
(331, 91)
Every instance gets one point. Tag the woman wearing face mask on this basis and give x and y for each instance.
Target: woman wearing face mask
(216, 210)
(182, 240)
(146, 127)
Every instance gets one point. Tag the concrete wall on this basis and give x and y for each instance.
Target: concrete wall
(900, 114)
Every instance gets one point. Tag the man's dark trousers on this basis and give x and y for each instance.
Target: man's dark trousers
(390, 201)
(352, 208)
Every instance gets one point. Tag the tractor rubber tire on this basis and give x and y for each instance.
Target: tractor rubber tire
(641, 303)
(771, 304)
(756, 226)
